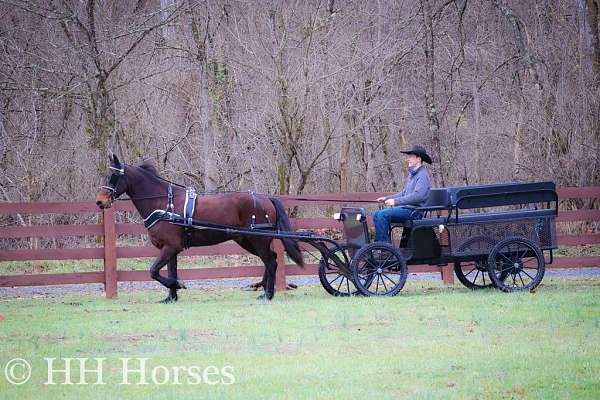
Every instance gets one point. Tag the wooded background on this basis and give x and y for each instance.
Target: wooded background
(294, 97)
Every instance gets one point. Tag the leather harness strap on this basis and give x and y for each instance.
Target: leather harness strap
(188, 215)
(169, 213)
(190, 204)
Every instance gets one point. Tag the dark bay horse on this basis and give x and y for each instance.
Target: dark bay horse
(149, 192)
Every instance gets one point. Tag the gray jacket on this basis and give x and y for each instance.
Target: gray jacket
(416, 189)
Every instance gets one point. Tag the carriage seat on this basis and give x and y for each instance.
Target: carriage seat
(438, 200)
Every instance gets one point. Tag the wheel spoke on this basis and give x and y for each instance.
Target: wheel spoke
(506, 269)
(523, 255)
(348, 284)
(368, 260)
(333, 267)
(336, 278)
(391, 265)
(384, 285)
(389, 279)
(529, 260)
(521, 278)
(387, 259)
(525, 272)
(506, 258)
(468, 273)
(340, 285)
(377, 286)
(483, 277)
(370, 272)
(476, 275)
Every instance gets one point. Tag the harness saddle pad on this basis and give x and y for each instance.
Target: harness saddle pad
(163, 215)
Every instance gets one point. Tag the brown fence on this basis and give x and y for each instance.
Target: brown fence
(109, 229)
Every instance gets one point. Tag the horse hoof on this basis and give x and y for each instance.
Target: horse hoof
(181, 285)
(264, 298)
(168, 300)
(252, 288)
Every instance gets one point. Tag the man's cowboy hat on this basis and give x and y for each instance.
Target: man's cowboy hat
(419, 152)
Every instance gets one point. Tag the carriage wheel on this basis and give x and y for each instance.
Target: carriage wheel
(332, 279)
(476, 276)
(379, 269)
(516, 264)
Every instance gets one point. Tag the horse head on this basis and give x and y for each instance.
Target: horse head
(116, 184)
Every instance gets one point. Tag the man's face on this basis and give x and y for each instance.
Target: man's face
(413, 161)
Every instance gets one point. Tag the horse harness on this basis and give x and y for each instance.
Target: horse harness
(169, 214)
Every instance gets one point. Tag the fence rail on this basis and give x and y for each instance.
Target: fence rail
(109, 230)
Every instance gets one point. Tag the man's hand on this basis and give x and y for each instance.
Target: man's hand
(390, 202)
(381, 199)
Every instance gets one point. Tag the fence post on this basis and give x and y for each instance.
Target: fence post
(280, 279)
(110, 253)
(448, 274)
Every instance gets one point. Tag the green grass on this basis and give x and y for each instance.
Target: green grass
(430, 341)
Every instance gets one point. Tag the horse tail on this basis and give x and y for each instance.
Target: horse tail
(283, 224)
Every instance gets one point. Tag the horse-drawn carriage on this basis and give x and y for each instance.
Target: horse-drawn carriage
(495, 235)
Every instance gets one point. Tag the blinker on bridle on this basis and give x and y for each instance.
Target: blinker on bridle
(114, 179)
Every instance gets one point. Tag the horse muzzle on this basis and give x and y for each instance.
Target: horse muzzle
(104, 201)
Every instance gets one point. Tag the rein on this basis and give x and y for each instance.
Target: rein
(119, 172)
(161, 196)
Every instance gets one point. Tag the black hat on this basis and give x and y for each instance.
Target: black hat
(419, 152)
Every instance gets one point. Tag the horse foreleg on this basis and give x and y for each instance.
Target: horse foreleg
(168, 282)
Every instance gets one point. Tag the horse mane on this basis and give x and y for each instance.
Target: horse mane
(151, 169)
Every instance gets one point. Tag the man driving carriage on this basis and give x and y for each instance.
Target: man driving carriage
(402, 205)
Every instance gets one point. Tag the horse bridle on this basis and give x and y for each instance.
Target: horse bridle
(114, 180)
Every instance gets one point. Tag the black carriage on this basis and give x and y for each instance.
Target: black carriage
(495, 235)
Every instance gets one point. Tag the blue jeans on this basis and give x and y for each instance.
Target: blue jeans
(383, 218)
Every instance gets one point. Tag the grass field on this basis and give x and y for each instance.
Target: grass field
(429, 342)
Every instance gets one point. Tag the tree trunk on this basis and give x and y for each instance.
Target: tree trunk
(589, 14)
(430, 105)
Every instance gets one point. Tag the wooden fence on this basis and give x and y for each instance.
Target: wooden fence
(109, 230)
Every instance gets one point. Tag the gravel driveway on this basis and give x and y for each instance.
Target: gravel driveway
(236, 283)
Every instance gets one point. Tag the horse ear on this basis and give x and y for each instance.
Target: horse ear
(116, 160)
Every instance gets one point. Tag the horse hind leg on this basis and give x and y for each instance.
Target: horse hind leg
(253, 287)
(269, 258)
(247, 245)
